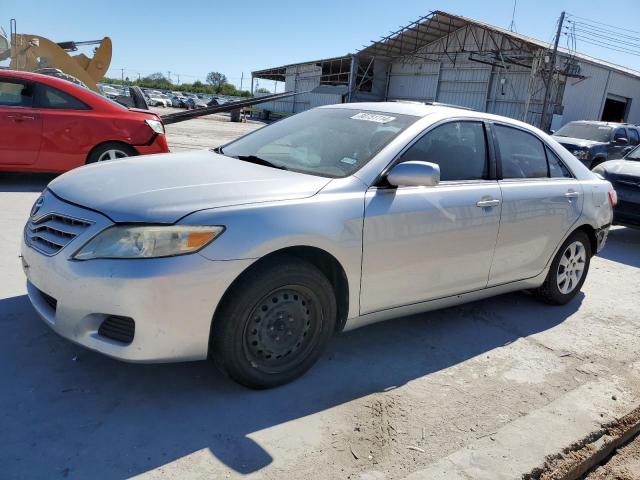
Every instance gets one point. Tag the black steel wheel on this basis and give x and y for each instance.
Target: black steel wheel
(274, 323)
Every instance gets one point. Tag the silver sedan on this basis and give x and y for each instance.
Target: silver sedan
(256, 253)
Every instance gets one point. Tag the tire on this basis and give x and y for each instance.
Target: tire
(274, 324)
(110, 151)
(555, 291)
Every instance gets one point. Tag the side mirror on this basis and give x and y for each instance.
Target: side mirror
(414, 174)
(621, 141)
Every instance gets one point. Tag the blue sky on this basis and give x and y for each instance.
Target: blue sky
(193, 38)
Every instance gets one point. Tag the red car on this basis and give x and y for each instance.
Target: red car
(51, 125)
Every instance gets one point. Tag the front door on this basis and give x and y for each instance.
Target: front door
(423, 243)
(540, 202)
(20, 126)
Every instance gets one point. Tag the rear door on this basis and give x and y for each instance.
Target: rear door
(541, 200)
(20, 126)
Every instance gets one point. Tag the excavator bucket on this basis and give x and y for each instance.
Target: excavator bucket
(34, 52)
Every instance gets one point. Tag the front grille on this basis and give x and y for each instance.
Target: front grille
(625, 181)
(121, 329)
(52, 232)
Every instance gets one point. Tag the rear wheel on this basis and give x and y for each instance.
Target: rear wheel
(110, 151)
(275, 323)
(568, 270)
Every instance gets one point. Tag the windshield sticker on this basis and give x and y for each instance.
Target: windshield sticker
(373, 117)
(350, 161)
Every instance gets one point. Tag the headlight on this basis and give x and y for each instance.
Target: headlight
(599, 170)
(581, 154)
(148, 241)
(156, 126)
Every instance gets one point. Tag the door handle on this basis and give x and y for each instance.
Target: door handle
(572, 194)
(20, 118)
(488, 203)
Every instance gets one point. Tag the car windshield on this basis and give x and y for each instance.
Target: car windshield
(585, 131)
(634, 154)
(329, 142)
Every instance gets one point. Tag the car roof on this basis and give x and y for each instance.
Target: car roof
(605, 124)
(424, 109)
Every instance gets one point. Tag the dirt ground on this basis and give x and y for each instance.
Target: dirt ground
(624, 465)
(485, 390)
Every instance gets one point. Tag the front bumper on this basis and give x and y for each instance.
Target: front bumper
(171, 300)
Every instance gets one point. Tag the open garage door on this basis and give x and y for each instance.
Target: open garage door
(615, 108)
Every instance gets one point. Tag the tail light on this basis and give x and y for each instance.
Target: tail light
(613, 198)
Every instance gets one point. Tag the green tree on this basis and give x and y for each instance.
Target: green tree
(262, 90)
(216, 80)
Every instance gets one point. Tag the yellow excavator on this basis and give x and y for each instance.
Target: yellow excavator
(35, 53)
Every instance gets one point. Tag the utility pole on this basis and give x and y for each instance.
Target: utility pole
(241, 79)
(122, 75)
(544, 125)
(178, 75)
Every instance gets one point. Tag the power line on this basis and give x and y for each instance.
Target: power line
(593, 29)
(608, 46)
(605, 24)
(607, 37)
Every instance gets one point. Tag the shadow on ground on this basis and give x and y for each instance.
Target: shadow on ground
(24, 182)
(627, 246)
(99, 418)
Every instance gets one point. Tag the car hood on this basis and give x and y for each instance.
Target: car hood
(576, 142)
(164, 188)
(630, 168)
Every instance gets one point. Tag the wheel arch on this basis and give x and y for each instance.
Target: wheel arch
(591, 234)
(101, 144)
(321, 259)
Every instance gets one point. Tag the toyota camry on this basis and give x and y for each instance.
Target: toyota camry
(254, 254)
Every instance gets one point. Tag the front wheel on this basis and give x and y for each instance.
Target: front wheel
(274, 324)
(568, 271)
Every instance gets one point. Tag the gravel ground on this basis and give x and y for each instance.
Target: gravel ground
(484, 390)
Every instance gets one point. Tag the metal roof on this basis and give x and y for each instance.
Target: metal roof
(430, 28)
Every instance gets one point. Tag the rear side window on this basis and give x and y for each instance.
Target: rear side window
(522, 154)
(15, 94)
(459, 148)
(634, 139)
(49, 97)
(557, 169)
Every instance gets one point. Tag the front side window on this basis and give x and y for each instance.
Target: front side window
(620, 133)
(53, 98)
(15, 94)
(329, 142)
(459, 148)
(522, 154)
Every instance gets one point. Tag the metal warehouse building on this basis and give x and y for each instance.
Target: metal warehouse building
(452, 59)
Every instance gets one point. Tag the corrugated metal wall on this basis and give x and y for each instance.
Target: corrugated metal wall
(467, 83)
(584, 98)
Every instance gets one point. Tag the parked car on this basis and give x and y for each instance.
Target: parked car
(195, 102)
(624, 175)
(257, 253)
(595, 142)
(51, 125)
(158, 100)
(178, 101)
